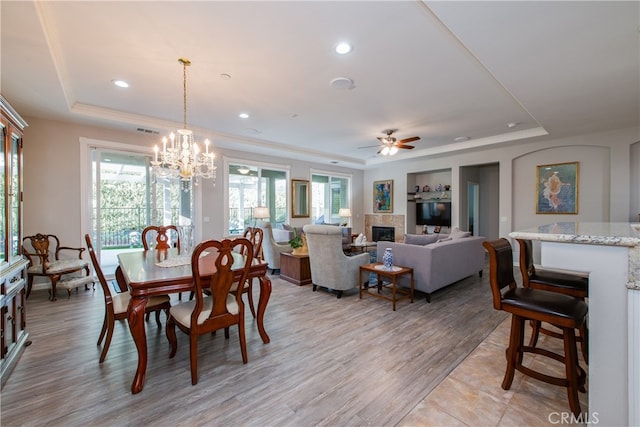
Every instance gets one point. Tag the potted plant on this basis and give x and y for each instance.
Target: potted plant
(298, 243)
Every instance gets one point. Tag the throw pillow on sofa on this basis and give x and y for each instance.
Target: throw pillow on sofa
(456, 233)
(420, 239)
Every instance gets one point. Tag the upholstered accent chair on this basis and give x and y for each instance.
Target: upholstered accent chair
(59, 264)
(271, 249)
(330, 267)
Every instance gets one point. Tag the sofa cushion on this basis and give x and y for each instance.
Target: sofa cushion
(420, 239)
(287, 227)
(456, 233)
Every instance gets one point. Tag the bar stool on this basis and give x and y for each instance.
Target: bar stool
(563, 282)
(563, 311)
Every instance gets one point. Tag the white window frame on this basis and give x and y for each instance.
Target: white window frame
(226, 161)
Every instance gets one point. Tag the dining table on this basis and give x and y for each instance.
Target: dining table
(160, 272)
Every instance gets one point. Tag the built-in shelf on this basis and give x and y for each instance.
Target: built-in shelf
(431, 195)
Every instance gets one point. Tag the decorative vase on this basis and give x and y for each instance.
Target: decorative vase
(387, 258)
(186, 240)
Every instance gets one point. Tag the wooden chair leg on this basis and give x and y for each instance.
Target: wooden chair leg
(193, 354)
(535, 332)
(107, 341)
(104, 329)
(584, 342)
(571, 368)
(250, 297)
(514, 350)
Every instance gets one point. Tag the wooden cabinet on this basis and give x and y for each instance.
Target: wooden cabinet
(295, 268)
(13, 335)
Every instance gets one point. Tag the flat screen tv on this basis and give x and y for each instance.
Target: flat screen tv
(435, 212)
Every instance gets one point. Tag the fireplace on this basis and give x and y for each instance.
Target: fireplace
(386, 234)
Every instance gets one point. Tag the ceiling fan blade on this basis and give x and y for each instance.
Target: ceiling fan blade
(406, 147)
(413, 138)
(370, 146)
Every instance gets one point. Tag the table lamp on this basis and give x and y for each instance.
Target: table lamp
(260, 212)
(346, 214)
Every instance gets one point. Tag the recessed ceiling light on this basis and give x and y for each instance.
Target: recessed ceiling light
(343, 48)
(243, 115)
(512, 124)
(461, 139)
(342, 83)
(225, 76)
(120, 83)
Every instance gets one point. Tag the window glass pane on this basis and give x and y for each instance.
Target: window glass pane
(3, 194)
(14, 195)
(328, 195)
(253, 186)
(127, 197)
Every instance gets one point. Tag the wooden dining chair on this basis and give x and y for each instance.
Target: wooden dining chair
(219, 310)
(116, 304)
(254, 235)
(563, 311)
(160, 237)
(565, 282)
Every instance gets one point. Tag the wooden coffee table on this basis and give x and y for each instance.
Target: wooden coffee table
(397, 294)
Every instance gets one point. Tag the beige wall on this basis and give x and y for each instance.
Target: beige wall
(52, 193)
(607, 165)
(608, 191)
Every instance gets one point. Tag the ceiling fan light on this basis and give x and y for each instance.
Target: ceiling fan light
(385, 151)
(393, 150)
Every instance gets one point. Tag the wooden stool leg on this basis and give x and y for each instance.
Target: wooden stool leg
(584, 342)
(514, 356)
(571, 368)
(535, 332)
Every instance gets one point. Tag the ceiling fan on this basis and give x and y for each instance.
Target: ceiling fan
(390, 145)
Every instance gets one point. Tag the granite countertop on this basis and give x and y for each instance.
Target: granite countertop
(593, 233)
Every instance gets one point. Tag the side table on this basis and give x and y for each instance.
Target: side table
(396, 271)
(295, 268)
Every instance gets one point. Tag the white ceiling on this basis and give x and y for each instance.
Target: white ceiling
(438, 70)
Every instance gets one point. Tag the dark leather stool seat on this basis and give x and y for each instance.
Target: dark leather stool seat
(563, 282)
(526, 304)
(563, 307)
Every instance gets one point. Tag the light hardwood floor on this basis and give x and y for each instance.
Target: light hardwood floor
(346, 362)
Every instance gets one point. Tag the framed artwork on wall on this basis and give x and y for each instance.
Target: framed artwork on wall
(557, 188)
(383, 196)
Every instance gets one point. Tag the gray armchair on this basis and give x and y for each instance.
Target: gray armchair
(330, 267)
(270, 248)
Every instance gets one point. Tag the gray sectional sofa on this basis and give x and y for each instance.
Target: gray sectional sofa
(440, 262)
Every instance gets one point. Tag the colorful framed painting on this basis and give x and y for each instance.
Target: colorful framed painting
(557, 188)
(383, 196)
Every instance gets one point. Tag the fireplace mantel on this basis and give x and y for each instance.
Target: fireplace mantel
(395, 221)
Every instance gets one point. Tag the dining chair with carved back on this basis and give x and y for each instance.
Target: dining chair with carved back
(116, 304)
(59, 264)
(160, 237)
(255, 236)
(220, 309)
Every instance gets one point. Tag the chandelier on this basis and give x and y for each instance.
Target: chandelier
(181, 156)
